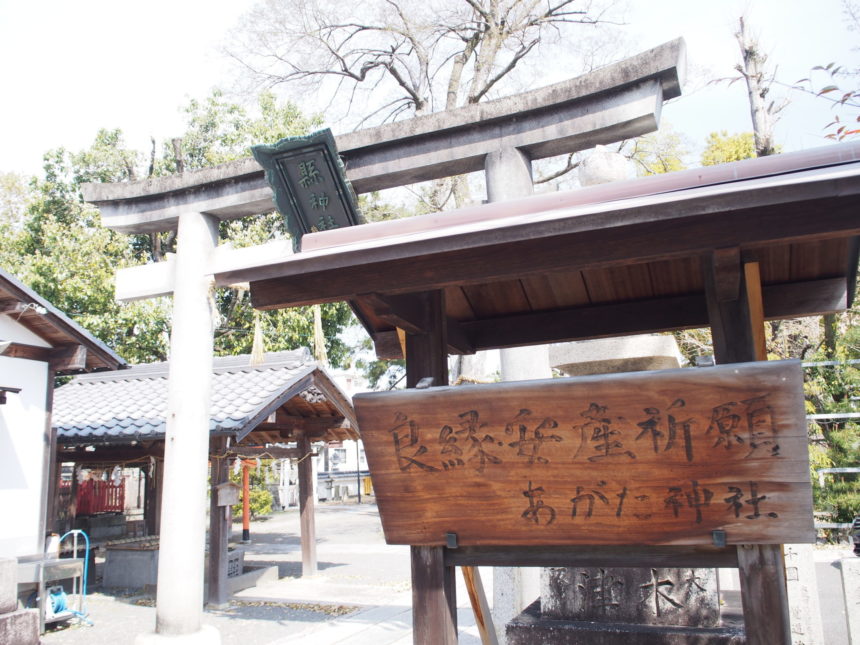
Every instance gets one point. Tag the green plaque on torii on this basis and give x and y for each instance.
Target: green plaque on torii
(310, 187)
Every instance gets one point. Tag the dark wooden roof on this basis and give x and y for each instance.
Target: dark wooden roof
(604, 261)
(73, 349)
(270, 402)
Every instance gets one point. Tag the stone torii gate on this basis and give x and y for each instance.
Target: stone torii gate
(502, 137)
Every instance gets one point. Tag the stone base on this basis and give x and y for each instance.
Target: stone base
(20, 628)
(8, 585)
(529, 628)
(207, 635)
(251, 577)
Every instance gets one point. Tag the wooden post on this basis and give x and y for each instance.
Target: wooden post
(49, 464)
(733, 294)
(246, 503)
(434, 594)
(427, 350)
(306, 507)
(480, 606)
(219, 525)
(434, 606)
(149, 501)
(53, 486)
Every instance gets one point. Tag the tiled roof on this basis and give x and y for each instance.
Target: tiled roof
(130, 404)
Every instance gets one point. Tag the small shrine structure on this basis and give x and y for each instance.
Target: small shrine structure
(118, 418)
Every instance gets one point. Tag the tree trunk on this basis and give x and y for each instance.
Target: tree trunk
(757, 89)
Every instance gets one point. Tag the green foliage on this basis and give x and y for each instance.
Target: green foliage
(219, 131)
(259, 498)
(722, 147)
(54, 242)
(259, 503)
(63, 253)
(831, 389)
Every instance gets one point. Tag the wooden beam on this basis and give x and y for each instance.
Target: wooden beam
(641, 234)
(268, 452)
(220, 519)
(731, 329)
(755, 304)
(12, 307)
(27, 352)
(480, 606)
(387, 345)
(306, 509)
(290, 427)
(427, 352)
(727, 273)
(109, 454)
(66, 358)
(407, 312)
(593, 556)
(69, 358)
(646, 316)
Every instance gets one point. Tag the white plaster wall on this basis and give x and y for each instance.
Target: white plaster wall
(11, 330)
(22, 446)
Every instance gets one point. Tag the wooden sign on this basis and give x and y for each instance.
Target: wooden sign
(309, 183)
(658, 458)
(228, 493)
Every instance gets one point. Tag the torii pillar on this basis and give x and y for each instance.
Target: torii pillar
(617, 102)
(186, 447)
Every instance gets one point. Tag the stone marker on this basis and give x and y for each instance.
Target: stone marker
(802, 586)
(661, 596)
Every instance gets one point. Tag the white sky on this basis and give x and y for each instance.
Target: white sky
(72, 67)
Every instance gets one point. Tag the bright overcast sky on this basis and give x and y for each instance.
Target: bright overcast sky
(72, 67)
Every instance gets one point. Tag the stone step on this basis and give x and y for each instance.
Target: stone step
(20, 627)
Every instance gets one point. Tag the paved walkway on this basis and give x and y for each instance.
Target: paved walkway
(360, 596)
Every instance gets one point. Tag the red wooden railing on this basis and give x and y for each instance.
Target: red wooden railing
(97, 496)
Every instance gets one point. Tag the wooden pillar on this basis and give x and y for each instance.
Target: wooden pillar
(152, 501)
(733, 291)
(246, 503)
(434, 597)
(49, 465)
(149, 500)
(219, 525)
(53, 486)
(427, 351)
(306, 507)
(73, 500)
